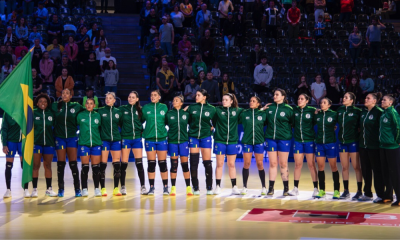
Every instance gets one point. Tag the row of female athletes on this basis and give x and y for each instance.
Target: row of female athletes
(369, 137)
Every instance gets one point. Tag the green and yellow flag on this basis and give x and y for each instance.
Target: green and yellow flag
(16, 100)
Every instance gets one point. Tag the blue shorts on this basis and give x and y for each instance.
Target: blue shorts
(156, 146)
(111, 146)
(257, 148)
(90, 151)
(13, 148)
(278, 145)
(325, 150)
(348, 147)
(200, 143)
(299, 147)
(181, 149)
(63, 143)
(132, 143)
(43, 149)
(228, 149)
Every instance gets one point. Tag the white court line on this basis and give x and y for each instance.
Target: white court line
(243, 215)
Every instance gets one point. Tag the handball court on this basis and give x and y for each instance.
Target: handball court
(196, 217)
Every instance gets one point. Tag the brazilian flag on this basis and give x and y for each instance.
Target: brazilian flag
(16, 100)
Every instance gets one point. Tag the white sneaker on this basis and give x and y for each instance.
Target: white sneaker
(26, 193)
(294, 192)
(97, 192)
(51, 193)
(34, 193)
(217, 190)
(244, 191)
(197, 192)
(7, 194)
(143, 190)
(264, 191)
(235, 190)
(123, 190)
(315, 193)
(85, 192)
(209, 192)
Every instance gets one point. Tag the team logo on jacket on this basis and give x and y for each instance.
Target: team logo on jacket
(104, 115)
(148, 112)
(207, 114)
(330, 119)
(37, 118)
(126, 112)
(247, 118)
(371, 117)
(136, 113)
(296, 114)
(194, 112)
(83, 120)
(385, 120)
(50, 118)
(282, 114)
(317, 119)
(172, 118)
(340, 114)
(223, 113)
(270, 112)
(162, 113)
(96, 121)
(116, 115)
(233, 113)
(259, 118)
(184, 117)
(308, 116)
(351, 114)
(82, 148)
(72, 110)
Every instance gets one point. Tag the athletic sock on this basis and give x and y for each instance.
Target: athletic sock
(296, 183)
(321, 179)
(96, 175)
(84, 175)
(124, 166)
(245, 173)
(151, 182)
(233, 181)
(271, 184)
(60, 174)
(261, 173)
(187, 181)
(26, 186)
(9, 166)
(140, 170)
(218, 182)
(285, 186)
(103, 167)
(173, 181)
(359, 186)
(48, 183)
(165, 182)
(315, 184)
(345, 184)
(117, 173)
(34, 182)
(194, 165)
(73, 165)
(209, 173)
(336, 181)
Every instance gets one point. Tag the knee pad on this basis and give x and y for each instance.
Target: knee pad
(73, 166)
(117, 169)
(207, 163)
(60, 167)
(194, 161)
(185, 166)
(96, 169)
(139, 164)
(85, 169)
(162, 164)
(174, 165)
(151, 168)
(9, 166)
(103, 167)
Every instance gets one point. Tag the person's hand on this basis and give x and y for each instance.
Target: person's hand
(212, 129)
(318, 101)
(172, 41)
(335, 127)
(186, 108)
(262, 84)
(266, 106)
(316, 111)
(369, 44)
(5, 150)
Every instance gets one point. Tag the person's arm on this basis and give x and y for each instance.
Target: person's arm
(367, 36)
(198, 19)
(75, 54)
(313, 95)
(287, 16)
(58, 85)
(172, 35)
(4, 133)
(158, 84)
(270, 76)
(298, 20)
(371, 85)
(256, 78)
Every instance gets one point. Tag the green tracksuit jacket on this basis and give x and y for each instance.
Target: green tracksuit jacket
(89, 129)
(43, 122)
(65, 125)
(253, 121)
(369, 127)
(10, 130)
(111, 118)
(226, 122)
(200, 116)
(326, 122)
(389, 129)
(279, 122)
(303, 124)
(349, 119)
(154, 116)
(132, 127)
(177, 121)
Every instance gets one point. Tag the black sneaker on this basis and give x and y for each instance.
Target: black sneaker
(345, 194)
(396, 204)
(286, 192)
(357, 196)
(270, 191)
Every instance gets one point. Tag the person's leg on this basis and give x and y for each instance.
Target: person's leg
(232, 168)
(169, 49)
(321, 172)
(388, 195)
(226, 40)
(37, 157)
(116, 162)
(341, 17)
(164, 47)
(296, 31)
(73, 165)
(378, 49)
(355, 162)
(194, 165)
(206, 155)
(298, 165)
(218, 169)
(352, 52)
(137, 152)
(394, 164)
(151, 167)
(345, 162)
(366, 169)
(283, 164)
(246, 165)
(374, 159)
(162, 164)
(290, 31)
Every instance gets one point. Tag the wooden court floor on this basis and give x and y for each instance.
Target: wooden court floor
(164, 217)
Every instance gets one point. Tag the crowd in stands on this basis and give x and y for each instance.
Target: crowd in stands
(69, 46)
(322, 47)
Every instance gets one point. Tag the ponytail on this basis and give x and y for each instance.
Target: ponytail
(352, 97)
(392, 98)
(377, 96)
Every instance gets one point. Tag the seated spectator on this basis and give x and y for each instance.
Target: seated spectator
(21, 30)
(83, 56)
(332, 72)
(390, 11)
(100, 51)
(21, 46)
(293, 17)
(6, 69)
(271, 18)
(64, 82)
(302, 87)
(226, 85)
(37, 82)
(33, 35)
(334, 92)
(171, 65)
(203, 19)
(189, 68)
(166, 36)
(207, 45)
(92, 33)
(98, 38)
(352, 74)
(187, 10)
(12, 18)
(211, 86)
(263, 74)
(198, 65)
(198, 5)
(229, 32)
(373, 37)
(5, 55)
(201, 78)
(366, 83)
(319, 28)
(89, 94)
(92, 71)
(255, 57)
(55, 29)
(70, 27)
(184, 47)
(55, 50)
(177, 19)
(104, 60)
(82, 37)
(171, 6)
(65, 64)
(165, 82)
(3, 27)
(180, 76)
(46, 68)
(11, 52)
(354, 87)
(72, 50)
(10, 37)
(37, 53)
(346, 8)
(190, 90)
(318, 90)
(41, 15)
(355, 40)
(319, 6)
(215, 70)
